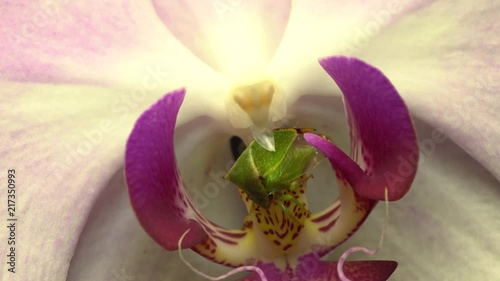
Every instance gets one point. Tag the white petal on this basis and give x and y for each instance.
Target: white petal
(64, 143)
(108, 44)
(230, 36)
(55, 41)
(444, 61)
(325, 28)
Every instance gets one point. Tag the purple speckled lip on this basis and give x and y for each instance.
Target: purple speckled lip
(384, 154)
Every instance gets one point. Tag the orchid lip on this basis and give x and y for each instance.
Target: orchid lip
(269, 235)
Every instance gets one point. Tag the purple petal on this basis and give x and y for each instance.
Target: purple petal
(355, 271)
(314, 270)
(225, 33)
(383, 140)
(157, 195)
(161, 201)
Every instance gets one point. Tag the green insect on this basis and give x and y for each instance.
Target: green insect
(264, 175)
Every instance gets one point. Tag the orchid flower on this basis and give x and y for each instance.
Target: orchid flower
(384, 145)
(76, 76)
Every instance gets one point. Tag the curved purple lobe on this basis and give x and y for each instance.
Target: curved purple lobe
(314, 270)
(155, 190)
(382, 134)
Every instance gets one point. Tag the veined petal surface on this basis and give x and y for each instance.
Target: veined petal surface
(63, 41)
(64, 142)
(123, 45)
(451, 63)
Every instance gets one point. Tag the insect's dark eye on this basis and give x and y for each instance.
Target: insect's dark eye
(270, 196)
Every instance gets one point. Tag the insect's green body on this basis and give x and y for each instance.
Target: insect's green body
(263, 174)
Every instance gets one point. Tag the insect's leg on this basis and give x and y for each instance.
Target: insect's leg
(287, 212)
(308, 177)
(293, 199)
(301, 178)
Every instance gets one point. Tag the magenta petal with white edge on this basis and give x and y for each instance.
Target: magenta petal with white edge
(383, 140)
(156, 191)
(228, 35)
